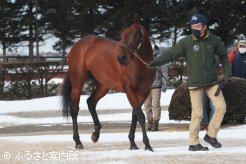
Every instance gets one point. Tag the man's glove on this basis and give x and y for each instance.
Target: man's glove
(151, 65)
(164, 88)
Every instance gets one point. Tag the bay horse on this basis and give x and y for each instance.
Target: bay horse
(116, 65)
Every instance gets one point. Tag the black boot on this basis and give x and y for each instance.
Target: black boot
(155, 126)
(198, 147)
(203, 127)
(149, 125)
(212, 141)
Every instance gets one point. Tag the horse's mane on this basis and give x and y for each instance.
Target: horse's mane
(128, 23)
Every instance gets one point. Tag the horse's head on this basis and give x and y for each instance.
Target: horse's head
(134, 41)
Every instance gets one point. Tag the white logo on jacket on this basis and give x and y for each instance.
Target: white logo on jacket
(196, 48)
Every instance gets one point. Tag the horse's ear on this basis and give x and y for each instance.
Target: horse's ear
(135, 18)
(124, 20)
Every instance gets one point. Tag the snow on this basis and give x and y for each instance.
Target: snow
(121, 117)
(110, 102)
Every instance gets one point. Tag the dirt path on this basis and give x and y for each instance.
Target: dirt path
(167, 151)
(107, 127)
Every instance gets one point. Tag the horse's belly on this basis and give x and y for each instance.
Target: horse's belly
(108, 77)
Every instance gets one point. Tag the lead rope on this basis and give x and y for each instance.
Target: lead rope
(147, 65)
(136, 55)
(159, 71)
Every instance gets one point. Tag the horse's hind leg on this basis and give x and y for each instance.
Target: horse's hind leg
(75, 96)
(96, 95)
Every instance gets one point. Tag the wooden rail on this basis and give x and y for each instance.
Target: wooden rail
(172, 71)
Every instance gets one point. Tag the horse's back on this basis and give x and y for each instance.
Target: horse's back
(91, 46)
(97, 55)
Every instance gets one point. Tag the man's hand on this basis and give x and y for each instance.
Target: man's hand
(151, 65)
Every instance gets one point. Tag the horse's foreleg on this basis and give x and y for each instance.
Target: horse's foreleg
(131, 135)
(97, 94)
(141, 119)
(136, 103)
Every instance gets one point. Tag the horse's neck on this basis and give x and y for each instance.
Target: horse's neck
(146, 53)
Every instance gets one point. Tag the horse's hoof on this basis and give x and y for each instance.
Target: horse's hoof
(134, 147)
(79, 147)
(94, 138)
(149, 148)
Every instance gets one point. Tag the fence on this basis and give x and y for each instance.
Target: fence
(26, 80)
(19, 58)
(19, 76)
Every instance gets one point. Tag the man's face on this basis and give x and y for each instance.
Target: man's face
(242, 46)
(242, 49)
(198, 27)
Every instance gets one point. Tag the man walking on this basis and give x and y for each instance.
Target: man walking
(199, 49)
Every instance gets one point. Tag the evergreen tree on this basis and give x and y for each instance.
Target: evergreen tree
(29, 20)
(88, 16)
(60, 20)
(115, 11)
(9, 27)
(226, 18)
(172, 19)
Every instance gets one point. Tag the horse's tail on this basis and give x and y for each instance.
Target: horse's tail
(66, 96)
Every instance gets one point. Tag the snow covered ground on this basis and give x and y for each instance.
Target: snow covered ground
(169, 146)
(110, 101)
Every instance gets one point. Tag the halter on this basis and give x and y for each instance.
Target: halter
(138, 47)
(142, 38)
(137, 56)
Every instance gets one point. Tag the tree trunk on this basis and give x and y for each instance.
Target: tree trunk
(36, 30)
(4, 53)
(30, 46)
(2, 79)
(174, 36)
(63, 52)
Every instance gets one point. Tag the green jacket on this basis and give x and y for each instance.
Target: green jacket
(200, 59)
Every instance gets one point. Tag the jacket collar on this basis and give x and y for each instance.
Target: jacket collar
(206, 36)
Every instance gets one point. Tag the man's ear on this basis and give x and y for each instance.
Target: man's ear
(205, 27)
